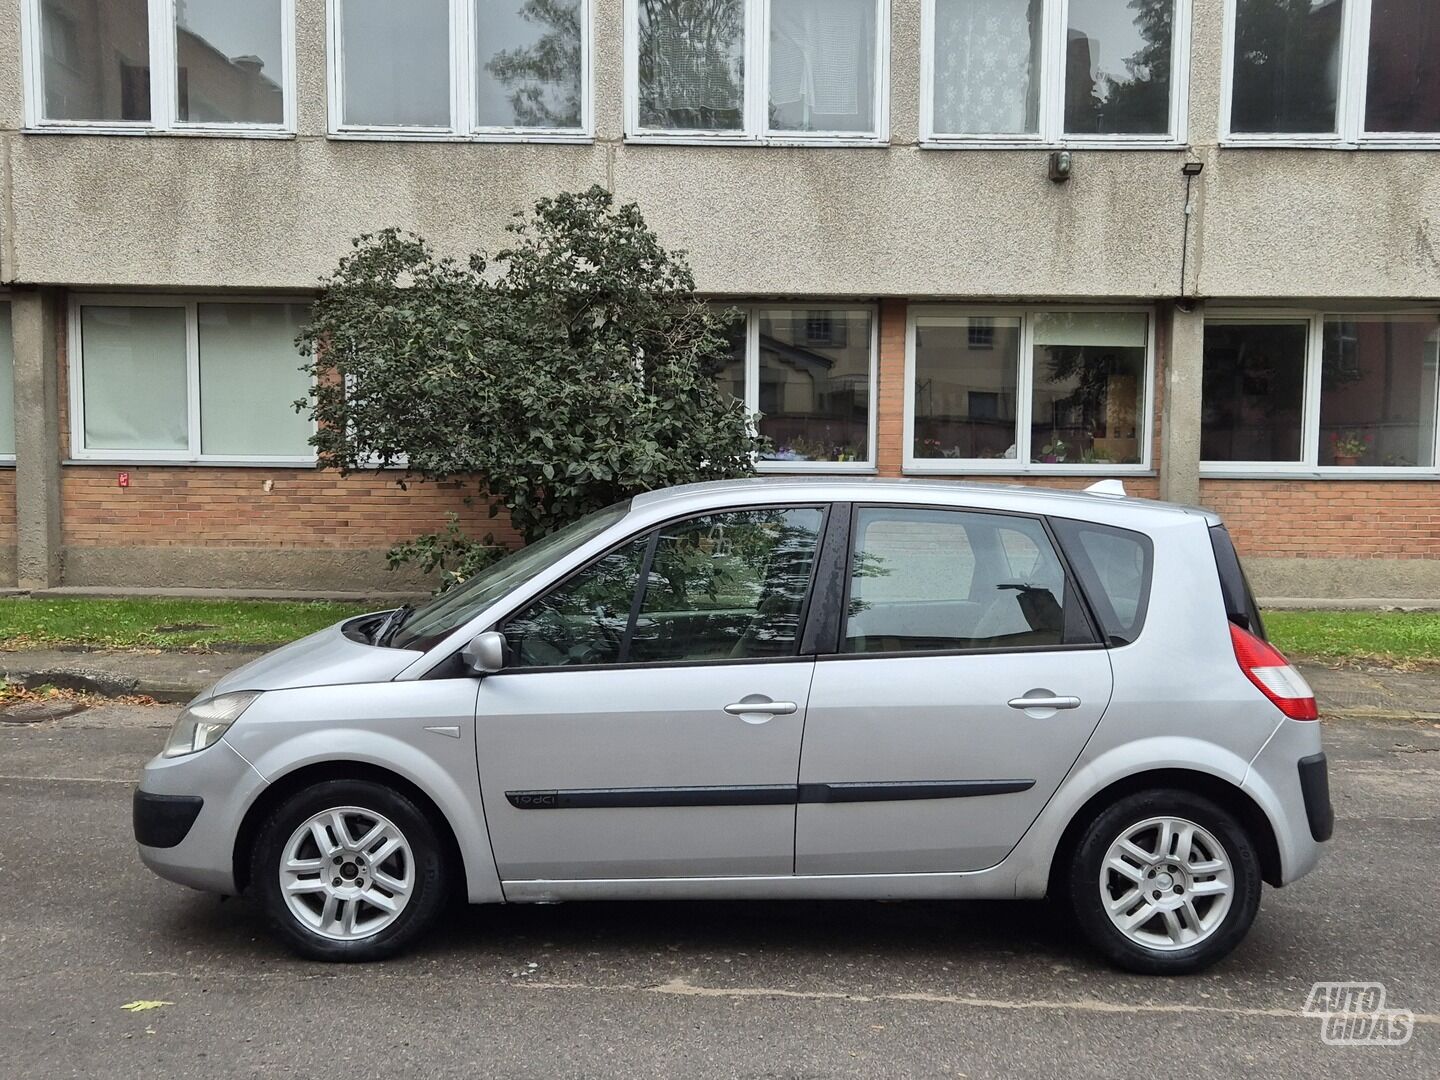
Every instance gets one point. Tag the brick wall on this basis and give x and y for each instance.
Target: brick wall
(7, 507)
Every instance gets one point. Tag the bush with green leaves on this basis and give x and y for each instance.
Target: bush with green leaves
(576, 369)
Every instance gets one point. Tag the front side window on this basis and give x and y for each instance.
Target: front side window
(189, 381)
(810, 375)
(1346, 71)
(1343, 393)
(461, 68)
(1054, 71)
(757, 69)
(728, 586)
(1030, 390)
(7, 385)
(944, 580)
(99, 66)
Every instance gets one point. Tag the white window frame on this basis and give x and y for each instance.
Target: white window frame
(1051, 127)
(757, 131)
(192, 455)
(751, 311)
(1021, 465)
(8, 459)
(462, 127)
(1349, 133)
(164, 91)
(1309, 467)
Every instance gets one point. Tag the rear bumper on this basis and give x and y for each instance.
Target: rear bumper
(1288, 779)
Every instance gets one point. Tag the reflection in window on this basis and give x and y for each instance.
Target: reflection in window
(395, 63)
(1118, 67)
(814, 392)
(95, 68)
(1287, 66)
(7, 384)
(528, 63)
(583, 620)
(965, 386)
(692, 67)
(1254, 391)
(229, 62)
(1403, 85)
(1088, 376)
(1378, 391)
(822, 65)
(987, 66)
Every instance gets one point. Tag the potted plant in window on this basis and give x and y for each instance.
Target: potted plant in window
(1053, 452)
(1349, 447)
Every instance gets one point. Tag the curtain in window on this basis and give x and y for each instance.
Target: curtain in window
(987, 69)
(249, 379)
(821, 59)
(134, 378)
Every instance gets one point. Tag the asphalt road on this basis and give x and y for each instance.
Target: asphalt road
(694, 989)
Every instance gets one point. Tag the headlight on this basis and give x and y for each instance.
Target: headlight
(201, 724)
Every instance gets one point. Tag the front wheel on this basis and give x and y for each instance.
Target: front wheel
(1165, 882)
(348, 870)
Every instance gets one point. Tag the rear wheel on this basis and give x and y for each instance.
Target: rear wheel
(1165, 882)
(349, 870)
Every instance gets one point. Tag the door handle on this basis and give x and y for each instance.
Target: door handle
(774, 708)
(1044, 703)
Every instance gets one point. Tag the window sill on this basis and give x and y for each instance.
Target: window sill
(1289, 143)
(131, 131)
(984, 467)
(135, 462)
(571, 138)
(802, 467)
(870, 142)
(1341, 473)
(1118, 142)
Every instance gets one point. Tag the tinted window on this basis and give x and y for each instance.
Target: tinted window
(728, 586)
(583, 620)
(947, 579)
(1114, 567)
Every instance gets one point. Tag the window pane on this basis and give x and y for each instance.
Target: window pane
(7, 383)
(228, 62)
(133, 362)
(987, 66)
(692, 64)
(727, 586)
(1089, 380)
(731, 375)
(96, 59)
(1254, 391)
(249, 377)
(1377, 391)
(396, 62)
(1114, 567)
(822, 65)
(1117, 67)
(965, 392)
(815, 384)
(1403, 88)
(528, 63)
(583, 620)
(1287, 66)
(945, 579)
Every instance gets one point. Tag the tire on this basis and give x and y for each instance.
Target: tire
(390, 857)
(1205, 903)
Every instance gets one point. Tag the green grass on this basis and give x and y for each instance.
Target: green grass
(1404, 639)
(161, 624)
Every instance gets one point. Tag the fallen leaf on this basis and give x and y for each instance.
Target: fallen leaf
(144, 1006)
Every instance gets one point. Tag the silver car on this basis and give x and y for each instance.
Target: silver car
(787, 688)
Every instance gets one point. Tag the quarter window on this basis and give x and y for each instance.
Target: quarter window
(932, 580)
(1035, 390)
(1337, 393)
(488, 69)
(185, 381)
(1339, 71)
(1054, 71)
(1114, 567)
(198, 65)
(755, 70)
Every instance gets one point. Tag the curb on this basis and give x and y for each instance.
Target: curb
(105, 684)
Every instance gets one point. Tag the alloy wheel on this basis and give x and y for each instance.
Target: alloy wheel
(1167, 883)
(347, 873)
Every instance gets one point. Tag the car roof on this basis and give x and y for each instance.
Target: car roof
(1020, 498)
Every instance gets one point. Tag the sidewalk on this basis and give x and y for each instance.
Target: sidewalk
(179, 676)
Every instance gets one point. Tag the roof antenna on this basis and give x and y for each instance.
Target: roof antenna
(1115, 489)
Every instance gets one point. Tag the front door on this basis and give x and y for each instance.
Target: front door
(648, 722)
(921, 753)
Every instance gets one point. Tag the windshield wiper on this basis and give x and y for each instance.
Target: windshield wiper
(391, 623)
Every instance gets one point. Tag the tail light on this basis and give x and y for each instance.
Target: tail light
(1264, 666)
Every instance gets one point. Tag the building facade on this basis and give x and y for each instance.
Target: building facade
(1193, 244)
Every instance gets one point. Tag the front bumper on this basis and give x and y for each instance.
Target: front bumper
(212, 789)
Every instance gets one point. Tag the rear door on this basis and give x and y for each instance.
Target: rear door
(965, 679)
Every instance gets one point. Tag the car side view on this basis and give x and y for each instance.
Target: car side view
(779, 688)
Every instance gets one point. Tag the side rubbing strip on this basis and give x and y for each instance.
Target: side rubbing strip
(761, 795)
(907, 790)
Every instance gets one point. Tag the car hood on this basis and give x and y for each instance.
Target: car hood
(326, 658)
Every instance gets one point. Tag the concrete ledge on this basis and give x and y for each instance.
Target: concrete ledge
(1358, 582)
(251, 571)
(1359, 603)
(381, 600)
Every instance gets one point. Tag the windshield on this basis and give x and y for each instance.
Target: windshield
(454, 609)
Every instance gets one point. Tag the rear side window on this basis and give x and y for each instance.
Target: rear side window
(1240, 606)
(1114, 567)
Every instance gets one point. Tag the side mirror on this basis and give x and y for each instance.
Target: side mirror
(485, 654)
